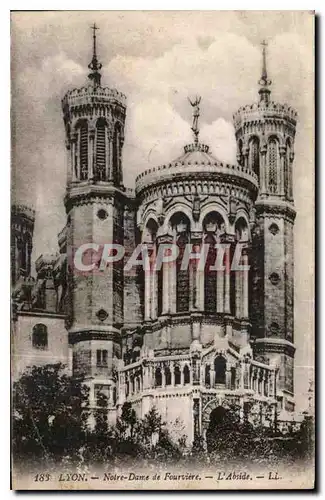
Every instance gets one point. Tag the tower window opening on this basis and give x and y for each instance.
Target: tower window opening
(180, 227)
(83, 151)
(186, 373)
(168, 376)
(273, 165)
(220, 370)
(158, 378)
(254, 156)
(207, 376)
(100, 169)
(210, 276)
(182, 278)
(177, 375)
(117, 154)
(102, 358)
(40, 337)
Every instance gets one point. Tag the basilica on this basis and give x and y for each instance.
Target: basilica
(188, 340)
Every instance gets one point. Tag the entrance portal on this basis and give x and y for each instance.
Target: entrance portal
(222, 422)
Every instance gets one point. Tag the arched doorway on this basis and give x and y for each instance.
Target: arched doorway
(221, 424)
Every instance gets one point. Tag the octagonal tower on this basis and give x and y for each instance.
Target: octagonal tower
(94, 119)
(265, 135)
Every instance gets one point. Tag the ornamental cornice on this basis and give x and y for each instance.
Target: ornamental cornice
(232, 174)
(276, 345)
(275, 208)
(90, 193)
(182, 189)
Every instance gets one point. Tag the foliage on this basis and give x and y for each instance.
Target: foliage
(51, 422)
(49, 414)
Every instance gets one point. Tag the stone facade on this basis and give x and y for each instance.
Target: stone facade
(185, 340)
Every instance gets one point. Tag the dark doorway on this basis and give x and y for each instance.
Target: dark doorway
(222, 423)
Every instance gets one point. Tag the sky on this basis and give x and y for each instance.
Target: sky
(159, 59)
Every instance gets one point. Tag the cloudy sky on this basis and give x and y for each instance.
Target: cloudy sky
(158, 59)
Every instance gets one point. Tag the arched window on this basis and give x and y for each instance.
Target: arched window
(180, 226)
(168, 376)
(158, 378)
(240, 152)
(213, 226)
(83, 150)
(132, 384)
(233, 378)
(100, 167)
(287, 171)
(207, 375)
(177, 375)
(186, 373)
(254, 155)
(237, 278)
(220, 370)
(39, 336)
(273, 161)
(117, 154)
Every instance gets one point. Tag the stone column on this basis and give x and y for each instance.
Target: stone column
(290, 187)
(182, 374)
(220, 291)
(109, 159)
(172, 368)
(245, 155)
(227, 282)
(228, 376)
(91, 150)
(75, 163)
(168, 278)
(245, 304)
(163, 377)
(263, 173)
(281, 171)
(212, 376)
(147, 284)
(196, 418)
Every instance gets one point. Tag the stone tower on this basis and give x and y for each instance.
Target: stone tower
(22, 229)
(94, 118)
(265, 134)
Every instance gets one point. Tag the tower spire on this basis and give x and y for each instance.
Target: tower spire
(95, 65)
(264, 82)
(196, 114)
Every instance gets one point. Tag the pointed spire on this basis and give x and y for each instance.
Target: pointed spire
(196, 114)
(264, 83)
(95, 66)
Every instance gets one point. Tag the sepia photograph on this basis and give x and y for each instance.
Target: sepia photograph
(162, 250)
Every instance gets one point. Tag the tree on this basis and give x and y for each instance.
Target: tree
(49, 414)
(151, 425)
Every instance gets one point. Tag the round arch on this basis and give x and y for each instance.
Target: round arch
(214, 207)
(178, 208)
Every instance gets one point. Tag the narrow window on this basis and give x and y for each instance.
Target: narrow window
(220, 370)
(40, 337)
(102, 358)
(158, 378)
(186, 375)
(83, 151)
(273, 165)
(100, 151)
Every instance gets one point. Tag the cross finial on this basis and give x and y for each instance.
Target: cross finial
(264, 82)
(196, 114)
(95, 66)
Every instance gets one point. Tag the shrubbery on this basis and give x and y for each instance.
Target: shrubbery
(50, 423)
